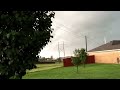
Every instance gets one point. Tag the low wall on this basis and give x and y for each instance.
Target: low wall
(68, 61)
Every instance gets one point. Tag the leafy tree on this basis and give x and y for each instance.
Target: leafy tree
(76, 59)
(77, 52)
(83, 56)
(80, 57)
(23, 34)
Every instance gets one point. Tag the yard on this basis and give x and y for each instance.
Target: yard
(91, 71)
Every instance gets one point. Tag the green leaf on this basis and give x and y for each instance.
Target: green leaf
(8, 35)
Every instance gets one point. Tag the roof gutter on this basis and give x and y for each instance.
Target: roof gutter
(105, 50)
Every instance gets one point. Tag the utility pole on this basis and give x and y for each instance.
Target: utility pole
(63, 49)
(58, 50)
(86, 42)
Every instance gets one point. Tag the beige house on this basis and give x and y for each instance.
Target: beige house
(107, 53)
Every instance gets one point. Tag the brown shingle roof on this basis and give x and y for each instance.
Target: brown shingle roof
(115, 44)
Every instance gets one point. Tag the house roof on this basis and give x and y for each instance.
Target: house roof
(115, 44)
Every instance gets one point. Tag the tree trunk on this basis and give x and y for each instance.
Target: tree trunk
(18, 77)
(77, 68)
(84, 64)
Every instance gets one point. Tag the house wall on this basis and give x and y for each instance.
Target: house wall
(109, 56)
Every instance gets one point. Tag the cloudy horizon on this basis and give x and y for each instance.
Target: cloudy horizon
(71, 27)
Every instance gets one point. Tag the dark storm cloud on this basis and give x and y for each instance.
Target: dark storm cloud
(72, 26)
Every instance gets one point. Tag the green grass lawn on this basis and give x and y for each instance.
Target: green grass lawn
(91, 71)
(41, 67)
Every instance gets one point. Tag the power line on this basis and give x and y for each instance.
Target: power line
(81, 34)
(73, 33)
(75, 36)
(69, 28)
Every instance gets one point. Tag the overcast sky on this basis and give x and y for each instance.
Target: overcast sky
(71, 27)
